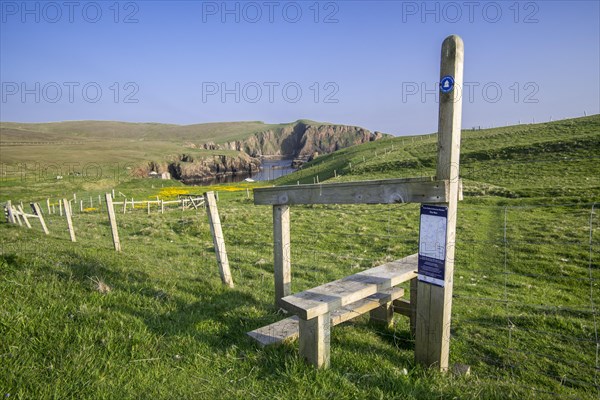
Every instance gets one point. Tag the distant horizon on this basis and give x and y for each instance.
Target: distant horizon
(291, 122)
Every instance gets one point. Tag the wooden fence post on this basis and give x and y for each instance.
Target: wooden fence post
(37, 210)
(20, 208)
(16, 215)
(9, 210)
(69, 219)
(113, 222)
(124, 205)
(281, 252)
(60, 207)
(217, 233)
(434, 303)
(48, 205)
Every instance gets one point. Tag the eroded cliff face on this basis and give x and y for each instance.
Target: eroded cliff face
(299, 140)
(191, 170)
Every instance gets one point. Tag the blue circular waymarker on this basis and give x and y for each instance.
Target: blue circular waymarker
(447, 84)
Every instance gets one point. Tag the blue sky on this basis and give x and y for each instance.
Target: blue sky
(369, 63)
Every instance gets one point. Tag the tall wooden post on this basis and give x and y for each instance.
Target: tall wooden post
(48, 205)
(217, 233)
(69, 219)
(60, 207)
(113, 222)
(434, 303)
(281, 252)
(37, 210)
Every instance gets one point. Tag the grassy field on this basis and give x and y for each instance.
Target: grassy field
(78, 320)
(86, 146)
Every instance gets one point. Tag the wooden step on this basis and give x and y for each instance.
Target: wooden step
(335, 295)
(287, 329)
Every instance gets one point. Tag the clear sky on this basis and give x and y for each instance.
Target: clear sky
(369, 63)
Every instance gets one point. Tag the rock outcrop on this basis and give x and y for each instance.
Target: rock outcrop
(190, 170)
(299, 140)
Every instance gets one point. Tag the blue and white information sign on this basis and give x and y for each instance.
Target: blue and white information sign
(447, 84)
(432, 244)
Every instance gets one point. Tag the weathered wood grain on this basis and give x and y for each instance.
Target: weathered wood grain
(281, 252)
(287, 329)
(432, 342)
(388, 191)
(337, 294)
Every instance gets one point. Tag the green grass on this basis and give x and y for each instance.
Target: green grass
(168, 328)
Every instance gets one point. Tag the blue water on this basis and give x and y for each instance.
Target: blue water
(273, 169)
(269, 170)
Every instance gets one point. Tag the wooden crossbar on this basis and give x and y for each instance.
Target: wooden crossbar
(387, 191)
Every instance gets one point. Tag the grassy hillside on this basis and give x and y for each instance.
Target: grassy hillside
(107, 143)
(112, 130)
(552, 159)
(76, 145)
(79, 320)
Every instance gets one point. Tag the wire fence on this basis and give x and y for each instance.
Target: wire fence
(526, 280)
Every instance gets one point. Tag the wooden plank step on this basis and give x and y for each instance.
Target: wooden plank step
(287, 329)
(334, 295)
